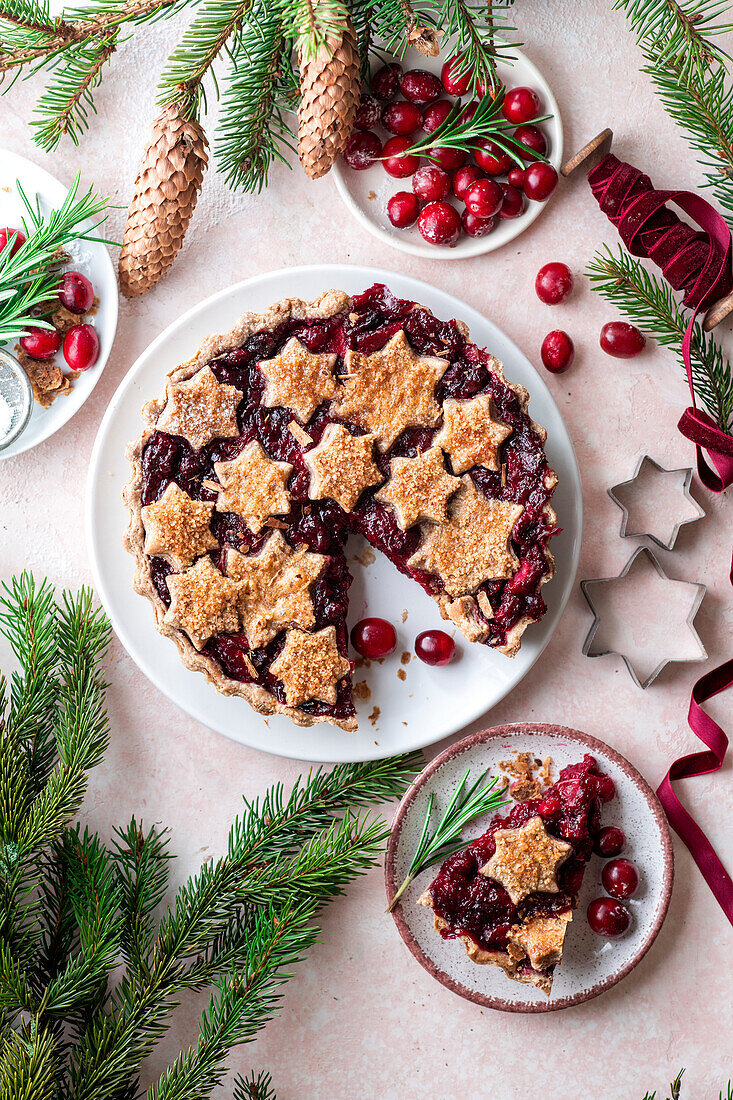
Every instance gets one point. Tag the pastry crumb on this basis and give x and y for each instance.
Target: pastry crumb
(362, 690)
(530, 776)
(373, 717)
(401, 674)
(404, 614)
(406, 657)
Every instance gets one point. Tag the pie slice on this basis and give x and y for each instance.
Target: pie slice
(510, 894)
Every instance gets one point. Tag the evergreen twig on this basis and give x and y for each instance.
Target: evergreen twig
(254, 1087)
(458, 132)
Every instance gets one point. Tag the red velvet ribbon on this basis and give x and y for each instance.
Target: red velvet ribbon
(699, 264)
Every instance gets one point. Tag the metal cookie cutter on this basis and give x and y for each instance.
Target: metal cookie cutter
(677, 641)
(647, 468)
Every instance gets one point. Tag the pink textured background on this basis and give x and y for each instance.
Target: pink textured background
(361, 1017)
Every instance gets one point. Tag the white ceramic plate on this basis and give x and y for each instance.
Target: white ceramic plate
(366, 193)
(591, 963)
(429, 703)
(92, 260)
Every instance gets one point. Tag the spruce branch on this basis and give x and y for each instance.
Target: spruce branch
(67, 100)
(474, 27)
(142, 861)
(313, 24)
(254, 1087)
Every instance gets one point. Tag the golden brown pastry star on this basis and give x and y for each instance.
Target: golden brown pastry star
(526, 860)
(470, 434)
(419, 488)
(253, 486)
(310, 666)
(177, 527)
(200, 409)
(298, 379)
(341, 466)
(203, 602)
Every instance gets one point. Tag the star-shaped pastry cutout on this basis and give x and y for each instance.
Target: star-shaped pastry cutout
(526, 860)
(253, 486)
(419, 488)
(275, 588)
(200, 409)
(203, 602)
(470, 434)
(177, 527)
(390, 390)
(473, 546)
(310, 666)
(341, 466)
(298, 379)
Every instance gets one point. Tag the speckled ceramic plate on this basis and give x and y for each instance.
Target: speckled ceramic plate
(591, 964)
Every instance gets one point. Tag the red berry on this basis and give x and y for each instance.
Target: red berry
(463, 179)
(484, 198)
(76, 292)
(608, 917)
(540, 180)
(468, 112)
(610, 841)
(420, 86)
(369, 113)
(362, 149)
(520, 105)
(448, 159)
(606, 788)
(395, 163)
(435, 114)
(516, 177)
(455, 82)
(81, 347)
(620, 878)
(557, 351)
(403, 209)
(532, 138)
(401, 117)
(16, 235)
(386, 81)
(41, 343)
(431, 183)
(435, 647)
(374, 638)
(492, 158)
(553, 283)
(474, 226)
(439, 223)
(621, 340)
(513, 202)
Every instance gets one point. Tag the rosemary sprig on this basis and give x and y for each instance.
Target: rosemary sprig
(466, 804)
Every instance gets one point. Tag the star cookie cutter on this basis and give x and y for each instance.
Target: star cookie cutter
(598, 644)
(646, 467)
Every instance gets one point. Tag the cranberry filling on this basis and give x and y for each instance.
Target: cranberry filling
(375, 316)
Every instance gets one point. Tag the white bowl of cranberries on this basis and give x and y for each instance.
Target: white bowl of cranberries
(450, 202)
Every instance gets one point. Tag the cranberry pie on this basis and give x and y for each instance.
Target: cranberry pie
(301, 425)
(510, 894)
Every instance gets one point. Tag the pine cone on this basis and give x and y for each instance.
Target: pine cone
(330, 90)
(166, 190)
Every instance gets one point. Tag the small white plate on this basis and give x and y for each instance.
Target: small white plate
(366, 193)
(429, 703)
(89, 258)
(591, 963)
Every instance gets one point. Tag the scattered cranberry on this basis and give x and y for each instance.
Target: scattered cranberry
(369, 113)
(362, 149)
(81, 347)
(492, 158)
(532, 138)
(41, 343)
(420, 86)
(448, 159)
(402, 117)
(76, 292)
(395, 162)
(610, 841)
(435, 647)
(606, 788)
(520, 105)
(516, 177)
(608, 917)
(620, 878)
(557, 351)
(540, 180)
(455, 81)
(403, 209)
(513, 201)
(463, 179)
(473, 226)
(386, 82)
(16, 235)
(435, 115)
(553, 283)
(374, 638)
(431, 183)
(622, 340)
(484, 198)
(439, 223)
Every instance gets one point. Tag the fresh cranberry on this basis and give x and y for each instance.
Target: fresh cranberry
(41, 343)
(435, 647)
(473, 226)
(431, 183)
(362, 149)
(621, 340)
(520, 105)
(401, 117)
(448, 159)
(435, 115)
(492, 158)
(620, 878)
(395, 162)
(439, 223)
(540, 180)
(484, 198)
(76, 292)
(513, 201)
(386, 81)
(81, 347)
(608, 917)
(557, 351)
(516, 177)
(609, 841)
(369, 113)
(468, 112)
(420, 86)
(553, 283)
(374, 638)
(606, 788)
(534, 141)
(463, 179)
(16, 235)
(455, 81)
(403, 209)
